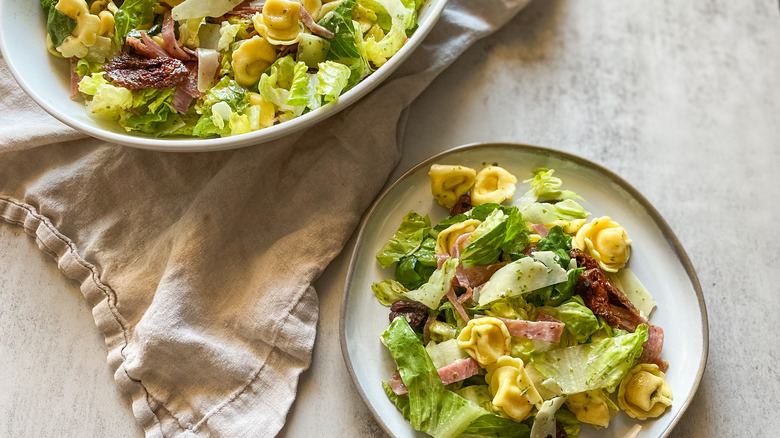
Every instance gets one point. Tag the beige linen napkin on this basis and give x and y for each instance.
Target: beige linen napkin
(199, 266)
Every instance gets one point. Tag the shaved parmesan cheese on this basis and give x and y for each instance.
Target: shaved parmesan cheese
(203, 8)
(629, 284)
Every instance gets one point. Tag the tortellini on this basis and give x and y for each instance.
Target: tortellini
(251, 59)
(485, 339)
(493, 184)
(592, 407)
(644, 393)
(313, 7)
(449, 183)
(86, 32)
(513, 392)
(450, 235)
(606, 241)
(279, 22)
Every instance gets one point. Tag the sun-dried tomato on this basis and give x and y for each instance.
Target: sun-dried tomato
(136, 72)
(602, 296)
(415, 312)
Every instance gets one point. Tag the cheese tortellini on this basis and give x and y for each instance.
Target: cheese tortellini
(450, 235)
(606, 241)
(493, 184)
(592, 407)
(644, 393)
(89, 36)
(279, 22)
(513, 392)
(449, 183)
(251, 59)
(485, 340)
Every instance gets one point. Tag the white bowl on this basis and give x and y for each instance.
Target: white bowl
(46, 79)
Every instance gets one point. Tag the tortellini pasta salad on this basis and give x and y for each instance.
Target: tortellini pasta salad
(517, 315)
(215, 68)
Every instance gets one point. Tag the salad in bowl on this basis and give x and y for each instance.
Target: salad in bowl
(517, 316)
(219, 68)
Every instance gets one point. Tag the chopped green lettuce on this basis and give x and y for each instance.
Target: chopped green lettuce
(579, 319)
(546, 213)
(58, 25)
(567, 419)
(558, 242)
(388, 292)
(401, 17)
(303, 88)
(406, 240)
(596, 365)
(437, 286)
(544, 187)
(333, 78)
(503, 230)
(130, 15)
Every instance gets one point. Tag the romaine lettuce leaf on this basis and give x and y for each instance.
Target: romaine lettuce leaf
(503, 230)
(303, 88)
(579, 319)
(544, 187)
(406, 240)
(437, 286)
(130, 15)
(388, 292)
(558, 242)
(58, 25)
(333, 79)
(596, 365)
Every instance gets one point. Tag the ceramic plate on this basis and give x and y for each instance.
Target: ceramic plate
(657, 258)
(46, 80)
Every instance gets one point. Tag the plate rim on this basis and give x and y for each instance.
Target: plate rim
(669, 234)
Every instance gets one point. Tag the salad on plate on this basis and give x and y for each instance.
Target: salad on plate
(517, 316)
(211, 68)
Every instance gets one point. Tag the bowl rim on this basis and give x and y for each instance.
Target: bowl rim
(194, 144)
(652, 212)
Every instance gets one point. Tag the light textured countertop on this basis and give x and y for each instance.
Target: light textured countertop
(679, 98)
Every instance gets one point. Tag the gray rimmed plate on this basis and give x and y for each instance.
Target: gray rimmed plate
(657, 259)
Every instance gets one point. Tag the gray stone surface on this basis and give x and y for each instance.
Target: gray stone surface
(679, 98)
